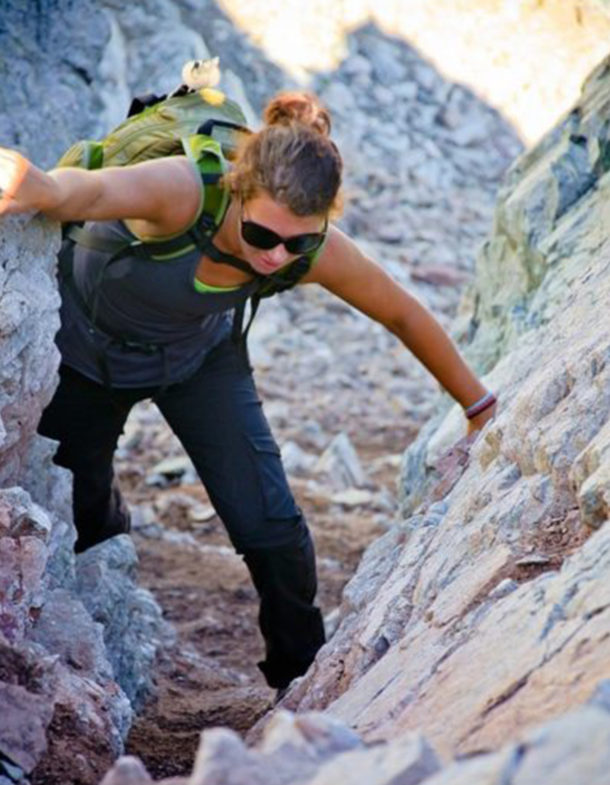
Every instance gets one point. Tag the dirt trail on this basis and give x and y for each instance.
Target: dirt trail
(210, 677)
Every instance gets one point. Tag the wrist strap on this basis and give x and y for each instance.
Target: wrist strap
(479, 406)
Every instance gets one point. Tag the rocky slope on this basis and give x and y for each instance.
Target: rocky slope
(493, 599)
(495, 561)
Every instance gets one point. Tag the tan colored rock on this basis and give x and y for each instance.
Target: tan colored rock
(572, 750)
(591, 474)
(432, 644)
(406, 761)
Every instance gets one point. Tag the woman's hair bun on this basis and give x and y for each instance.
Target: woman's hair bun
(295, 107)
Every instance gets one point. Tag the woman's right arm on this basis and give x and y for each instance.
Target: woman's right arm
(164, 192)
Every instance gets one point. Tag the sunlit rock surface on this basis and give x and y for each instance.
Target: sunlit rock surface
(489, 610)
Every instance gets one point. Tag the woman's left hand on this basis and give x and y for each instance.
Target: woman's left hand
(476, 423)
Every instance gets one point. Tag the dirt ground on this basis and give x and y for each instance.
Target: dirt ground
(209, 677)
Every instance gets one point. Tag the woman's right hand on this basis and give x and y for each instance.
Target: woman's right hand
(16, 182)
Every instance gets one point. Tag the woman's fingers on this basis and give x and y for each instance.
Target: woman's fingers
(13, 170)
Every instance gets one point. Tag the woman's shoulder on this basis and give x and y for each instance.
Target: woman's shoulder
(175, 175)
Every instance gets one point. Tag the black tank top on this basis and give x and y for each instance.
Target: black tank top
(154, 327)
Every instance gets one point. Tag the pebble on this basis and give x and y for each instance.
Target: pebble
(339, 464)
(296, 461)
(352, 497)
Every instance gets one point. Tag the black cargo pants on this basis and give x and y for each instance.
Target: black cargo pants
(218, 417)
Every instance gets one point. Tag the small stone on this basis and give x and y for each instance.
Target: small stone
(352, 497)
(128, 770)
(356, 65)
(505, 587)
(340, 463)
(142, 515)
(296, 461)
(201, 512)
(319, 733)
(439, 275)
(173, 468)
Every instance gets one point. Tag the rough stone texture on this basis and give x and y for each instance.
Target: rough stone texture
(127, 771)
(491, 604)
(405, 761)
(63, 712)
(540, 223)
(83, 711)
(28, 320)
(27, 717)
(131, 619)
(538, 275)
(572, 749)
(309, 748)
(49, 75)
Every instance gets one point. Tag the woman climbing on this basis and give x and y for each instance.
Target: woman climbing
(141, 329)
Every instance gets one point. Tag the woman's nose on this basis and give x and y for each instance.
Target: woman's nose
(279, 254)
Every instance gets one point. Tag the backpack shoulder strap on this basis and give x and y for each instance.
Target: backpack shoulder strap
(206, 155)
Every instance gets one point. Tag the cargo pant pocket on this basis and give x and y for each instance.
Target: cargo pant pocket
(276, 496)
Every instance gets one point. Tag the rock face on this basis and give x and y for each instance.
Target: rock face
(55, 674)
(489, 610)
(76, 640)
(50, 76)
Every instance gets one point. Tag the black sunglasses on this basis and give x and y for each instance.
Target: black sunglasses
(261, 237)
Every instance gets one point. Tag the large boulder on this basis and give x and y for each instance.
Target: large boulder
(486, 609)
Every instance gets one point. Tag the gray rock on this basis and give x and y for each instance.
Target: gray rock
(21, 584)
(321, 735)
(429, 617)
(296, 461)
(292, 750)
(339, 464)
(174, 468)
(46, 54)
(131, 619)
(65, 628)
(223, 759)
(128, 770)
(26, 717)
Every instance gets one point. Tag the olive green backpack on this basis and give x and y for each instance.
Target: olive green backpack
(204, 125)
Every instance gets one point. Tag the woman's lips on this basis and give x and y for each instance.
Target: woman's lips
(267, 264)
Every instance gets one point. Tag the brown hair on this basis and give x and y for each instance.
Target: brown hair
(292, 157)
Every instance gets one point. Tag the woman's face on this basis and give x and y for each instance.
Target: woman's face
(262, 212)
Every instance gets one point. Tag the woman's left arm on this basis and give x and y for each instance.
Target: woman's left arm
(345, 271)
